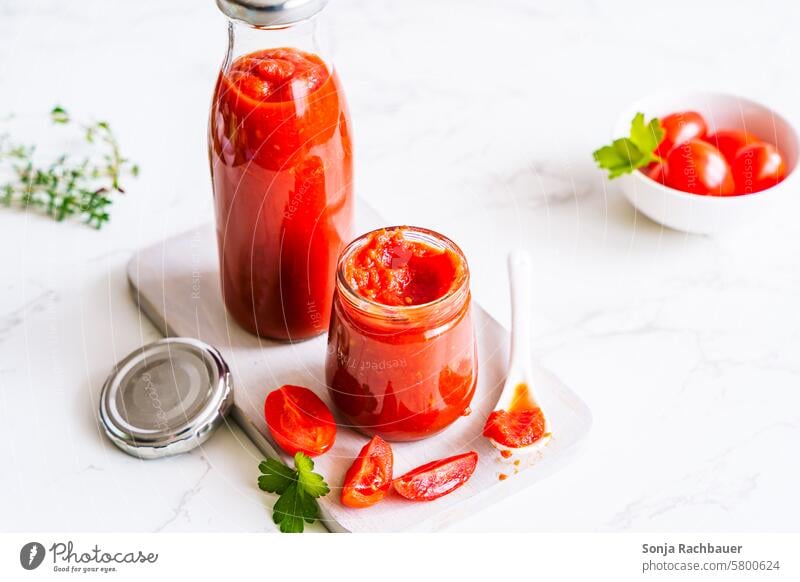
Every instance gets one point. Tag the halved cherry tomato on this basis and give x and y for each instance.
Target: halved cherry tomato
(679, 128)
(299, 421)
(699, 168)
(758, 167)
(370, 476)
(432, 480)
(730, 141)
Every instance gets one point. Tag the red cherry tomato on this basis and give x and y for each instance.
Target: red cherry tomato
(432, 480)
(370, 476)
(299, 421)
(679, 128)
(699, 168)
(730, 141)
(655, 171)
(758, 167)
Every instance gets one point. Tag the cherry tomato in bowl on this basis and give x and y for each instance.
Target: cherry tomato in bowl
(757, 167)
(679, 128)
(299, 420)
(699, 168)
(437, 478)
(730, 141)
(370, 476)
(655, 171)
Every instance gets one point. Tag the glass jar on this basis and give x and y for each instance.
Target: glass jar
(405, 370)
(281, 166)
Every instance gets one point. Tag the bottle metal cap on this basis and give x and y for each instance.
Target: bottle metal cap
(166, 397)
(270, 12)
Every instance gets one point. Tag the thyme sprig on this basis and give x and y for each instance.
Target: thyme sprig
(66, 186)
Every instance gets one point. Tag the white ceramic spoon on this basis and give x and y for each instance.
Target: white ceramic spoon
(519, 367)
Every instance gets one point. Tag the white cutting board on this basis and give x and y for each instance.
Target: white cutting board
(176, 284)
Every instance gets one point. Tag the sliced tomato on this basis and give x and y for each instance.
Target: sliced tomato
(438, 478)
(679, 128)
(730, 141)
(699, 168)
(299, 421)
(370, 476)
(757, 167)
(515, 428)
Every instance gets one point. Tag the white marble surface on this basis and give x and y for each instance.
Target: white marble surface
(477, 119)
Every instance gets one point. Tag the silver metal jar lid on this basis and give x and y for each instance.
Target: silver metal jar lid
(270, 12)
(166, 397)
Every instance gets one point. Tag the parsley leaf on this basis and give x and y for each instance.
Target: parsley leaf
(276, 477)
(312, 483)
(627, 154)
(646, 137)
(298, 488)
(621, 157)
(310, 508)
(287, 512)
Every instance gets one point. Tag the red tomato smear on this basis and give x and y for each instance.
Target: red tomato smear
(392, 270)
(520, 426)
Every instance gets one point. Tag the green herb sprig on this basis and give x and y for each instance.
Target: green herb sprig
(626, 154)
(299, 489)
(66, 187)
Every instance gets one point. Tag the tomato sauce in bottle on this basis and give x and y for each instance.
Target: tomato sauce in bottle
(402, 360)
(281, 165)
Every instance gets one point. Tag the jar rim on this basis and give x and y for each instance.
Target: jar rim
(458, 291)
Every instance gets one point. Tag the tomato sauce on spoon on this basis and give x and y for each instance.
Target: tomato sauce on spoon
(521, 425)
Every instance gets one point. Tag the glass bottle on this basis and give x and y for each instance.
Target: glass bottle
(282, 165)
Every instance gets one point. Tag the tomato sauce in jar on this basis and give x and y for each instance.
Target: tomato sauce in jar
(402, 360)
(281, 163)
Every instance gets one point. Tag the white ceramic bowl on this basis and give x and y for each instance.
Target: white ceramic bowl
(711, 214)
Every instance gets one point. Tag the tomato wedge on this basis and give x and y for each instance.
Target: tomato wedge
(438, 478)
(370, 476)
(299, 421)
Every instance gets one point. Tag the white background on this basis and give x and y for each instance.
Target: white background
(477, 119)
